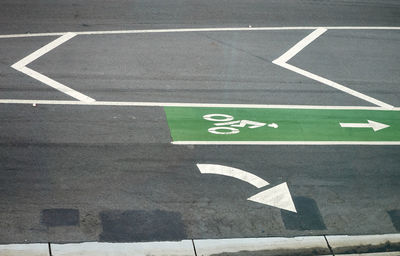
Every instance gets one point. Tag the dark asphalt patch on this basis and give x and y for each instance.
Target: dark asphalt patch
(395, 217)
(60, 217)
(139, 225)
(308, 216)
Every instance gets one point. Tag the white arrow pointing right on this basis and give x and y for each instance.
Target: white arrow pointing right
(278, 196)
(371, 124)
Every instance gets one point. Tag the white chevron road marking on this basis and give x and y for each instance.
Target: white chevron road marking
(283, 59)
(21, 66)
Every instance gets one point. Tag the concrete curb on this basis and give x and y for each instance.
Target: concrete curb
(182, 248)
(306, 245)
(311, 245)
(24, 250)
(364, 244)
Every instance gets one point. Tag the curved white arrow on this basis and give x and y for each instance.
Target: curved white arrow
(371, 124)
(278, 196)
(233, 172)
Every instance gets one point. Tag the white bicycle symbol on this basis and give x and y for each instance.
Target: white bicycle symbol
(224, 121)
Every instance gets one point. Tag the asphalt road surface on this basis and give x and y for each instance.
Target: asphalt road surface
(75, 170)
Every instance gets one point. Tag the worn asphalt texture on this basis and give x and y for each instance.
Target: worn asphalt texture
(107, 173)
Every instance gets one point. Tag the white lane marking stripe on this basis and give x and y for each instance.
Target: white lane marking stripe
(137, 31)
(286, 142)
(232, 172)
(180, 30)
(21, 66)
(43, 50)
(334, 85)
(362, 28)
(32, 35)
(282, 61)
(178, 104)
(300, 45)
(54, 84)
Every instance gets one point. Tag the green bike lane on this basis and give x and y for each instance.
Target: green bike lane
(192, 125)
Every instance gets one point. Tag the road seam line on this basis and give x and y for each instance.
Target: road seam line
(50, 253)
(284, 58)
(21, 67)
(329, 246)
(194, 248)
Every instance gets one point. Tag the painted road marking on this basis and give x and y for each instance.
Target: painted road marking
(187, 104)
(21, 66)
(376, 126)
(243, 123)
(282, 61)
(226, 121)
(143, 31)
(296, 126)
(300, 45)
(299, 143)
(278, 196)
(233, 172)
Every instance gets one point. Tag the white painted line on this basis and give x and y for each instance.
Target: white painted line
(181, 248)
(43, 50)
(334, 85)
(32, 35)
(282, 61)
(56, 85)
(182, 30)
(21, 66)
(178, 104)
(147, 31)
(300, 45)
(24, 250)
(285, 142)
(232, 172)
(138, 31)
(362, 28)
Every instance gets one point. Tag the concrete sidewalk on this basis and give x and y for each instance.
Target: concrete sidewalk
(372, 245)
